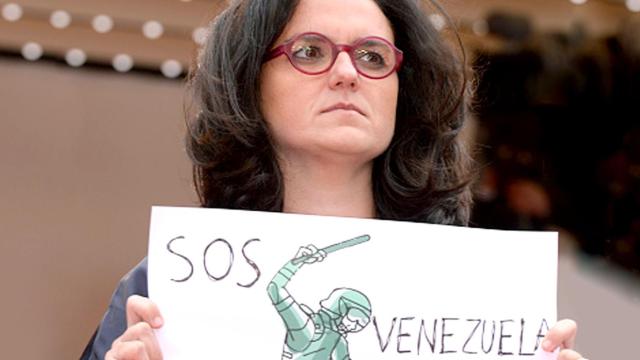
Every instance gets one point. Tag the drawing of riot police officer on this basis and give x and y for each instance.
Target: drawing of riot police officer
(320, 335)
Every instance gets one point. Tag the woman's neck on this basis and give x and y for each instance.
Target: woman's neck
(328, 189)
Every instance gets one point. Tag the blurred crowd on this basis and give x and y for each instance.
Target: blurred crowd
(559, 136)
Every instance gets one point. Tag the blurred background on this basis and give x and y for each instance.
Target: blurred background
(91, 127)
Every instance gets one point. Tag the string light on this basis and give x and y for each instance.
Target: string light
(199, 35)
(102, 23)
(60, 19)
(633, 5)
(75, 57)
(12, 12)
(438, 21)
(152, 29)
(171, 68)
(122, 62)
(32, 51)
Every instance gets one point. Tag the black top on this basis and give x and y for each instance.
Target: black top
(114, 322)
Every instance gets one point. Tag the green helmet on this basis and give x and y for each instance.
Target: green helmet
(343, 300)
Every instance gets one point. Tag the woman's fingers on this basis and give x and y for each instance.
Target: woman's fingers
(569, 354)
(562, 334)
(141, 309)
(142, 331)
(127, 350)
(138, 342)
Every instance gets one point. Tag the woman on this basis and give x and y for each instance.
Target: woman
(319, 107)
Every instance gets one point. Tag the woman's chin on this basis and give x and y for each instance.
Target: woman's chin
(357, 147)
(341, 144)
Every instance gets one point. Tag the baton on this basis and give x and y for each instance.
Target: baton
(335, 247)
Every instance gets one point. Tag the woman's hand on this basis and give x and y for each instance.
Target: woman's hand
(563, 335)
(138, 342)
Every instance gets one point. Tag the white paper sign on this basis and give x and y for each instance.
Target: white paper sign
(236, 285)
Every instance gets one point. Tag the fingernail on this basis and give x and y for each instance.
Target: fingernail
(157, 322)
(546, 345)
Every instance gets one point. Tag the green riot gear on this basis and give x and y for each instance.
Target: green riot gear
(317, 335)
(340, 301)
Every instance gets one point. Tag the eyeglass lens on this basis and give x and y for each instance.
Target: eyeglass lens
(314, 54)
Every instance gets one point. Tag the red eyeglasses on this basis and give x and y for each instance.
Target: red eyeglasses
(313, 53)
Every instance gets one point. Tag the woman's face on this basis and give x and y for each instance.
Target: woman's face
(295, 105)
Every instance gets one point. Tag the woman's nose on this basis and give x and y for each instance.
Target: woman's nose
(343, 73)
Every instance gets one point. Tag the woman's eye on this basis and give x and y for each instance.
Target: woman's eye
(371, 58)
(308, 52)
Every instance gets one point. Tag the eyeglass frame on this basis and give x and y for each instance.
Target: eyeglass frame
(286, 49)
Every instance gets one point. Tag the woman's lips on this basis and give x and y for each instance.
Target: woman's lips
(343, 106)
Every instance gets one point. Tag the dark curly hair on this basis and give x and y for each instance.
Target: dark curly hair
(422, 176)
